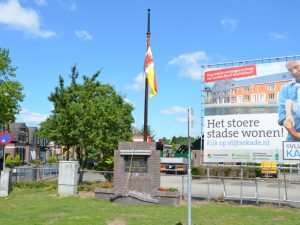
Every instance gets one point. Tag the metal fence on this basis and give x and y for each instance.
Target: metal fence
(283, 190)
(243, 187)
(26, 173)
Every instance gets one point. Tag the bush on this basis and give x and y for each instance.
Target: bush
(197, 171)
(214, 171)
(17, 159)
(227, 171)
(44, 185)
(90, 186)
(8, 161)
(53, 159)
(37, 163)
(106, 185)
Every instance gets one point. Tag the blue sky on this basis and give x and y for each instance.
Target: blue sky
(47, 37)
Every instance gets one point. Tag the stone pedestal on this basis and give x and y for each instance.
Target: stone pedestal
(68, 178)
(137, 168)
(5, 183)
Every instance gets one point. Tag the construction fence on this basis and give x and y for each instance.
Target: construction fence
(242, 184)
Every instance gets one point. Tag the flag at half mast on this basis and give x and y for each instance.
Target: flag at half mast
(150, 72)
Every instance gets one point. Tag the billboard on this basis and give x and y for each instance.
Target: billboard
(252, 113)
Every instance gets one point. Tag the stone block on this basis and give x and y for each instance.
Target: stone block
(5, 183)
(68, 178)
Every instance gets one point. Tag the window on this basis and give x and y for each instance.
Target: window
(271, 96)
(246, 89)
(240, 98)
(271, 87)
(233, 91)
(233, 99)
(246, 98)
(253, 98)
(261, 97)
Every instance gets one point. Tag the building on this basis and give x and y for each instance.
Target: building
(20, 142)
(254, 90)
(26, 143)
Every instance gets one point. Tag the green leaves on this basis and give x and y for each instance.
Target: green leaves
(89, 116)
(10, 90)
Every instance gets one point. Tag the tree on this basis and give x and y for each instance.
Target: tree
(10, 90)
(140, 131)
(90, 117)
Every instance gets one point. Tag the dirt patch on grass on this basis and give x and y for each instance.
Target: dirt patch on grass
(194, 202)
(116, 222)
(86, 194)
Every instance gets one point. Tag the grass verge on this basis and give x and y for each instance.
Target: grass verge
(37, 206)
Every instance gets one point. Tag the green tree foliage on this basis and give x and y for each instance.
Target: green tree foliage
(17, 159)
(181, 140)
(10, 90)
(140, 131)
(89, 116)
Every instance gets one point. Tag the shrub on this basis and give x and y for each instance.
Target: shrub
(17, 159)
(8, 161)
(90, 186)
(44, 185)
(249, 173)
(53, 159)
(214, 171)
(37, 163)
(227, 171)
(198, 171)
(106, 184)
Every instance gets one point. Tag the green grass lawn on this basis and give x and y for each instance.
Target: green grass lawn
(43, 207)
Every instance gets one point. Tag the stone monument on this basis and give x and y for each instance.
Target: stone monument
(67, 178)
(5, 182)
(137, 176)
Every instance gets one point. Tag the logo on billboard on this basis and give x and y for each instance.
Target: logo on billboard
(240, 156)
(209, 156)
(291, 150)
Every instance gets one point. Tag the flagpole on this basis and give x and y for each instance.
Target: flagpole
(146, 84)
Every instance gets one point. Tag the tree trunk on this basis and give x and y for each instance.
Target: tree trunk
(82, 162)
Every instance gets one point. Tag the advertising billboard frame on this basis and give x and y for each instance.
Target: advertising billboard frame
(226, 66)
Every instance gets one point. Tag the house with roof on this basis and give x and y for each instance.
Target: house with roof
(255, 90)
(20, 141)
(26, 144)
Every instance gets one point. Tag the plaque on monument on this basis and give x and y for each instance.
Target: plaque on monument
(136, 164)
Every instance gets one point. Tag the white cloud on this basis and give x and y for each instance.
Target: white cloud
(277, 36)
(229, 23)
(174, 110)
(138, 84)
(190, 64)
(13, 15)
(182, 120)
(83, 34)
(32, 118)
(69, 5)
(41, 2)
